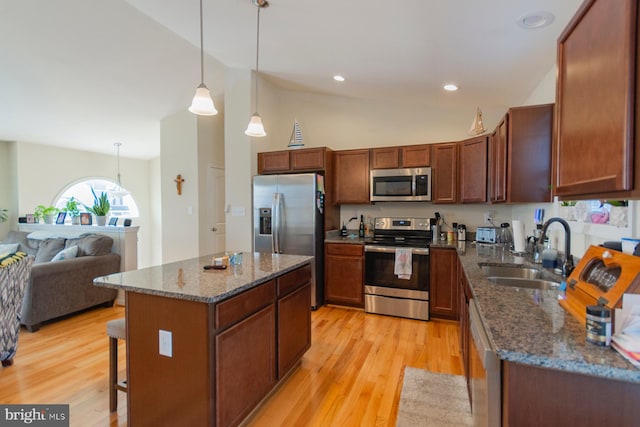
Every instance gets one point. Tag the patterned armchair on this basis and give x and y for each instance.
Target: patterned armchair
(14, 275)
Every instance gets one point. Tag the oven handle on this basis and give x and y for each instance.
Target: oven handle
(392, 249)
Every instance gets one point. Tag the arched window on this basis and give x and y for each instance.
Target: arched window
(122, 203)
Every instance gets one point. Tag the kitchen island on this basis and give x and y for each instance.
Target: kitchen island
(204, 347)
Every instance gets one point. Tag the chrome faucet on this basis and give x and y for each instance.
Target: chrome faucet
(567, 265)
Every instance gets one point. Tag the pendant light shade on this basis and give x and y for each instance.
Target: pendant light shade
(202, 103)
(256, 128)
(477, 126)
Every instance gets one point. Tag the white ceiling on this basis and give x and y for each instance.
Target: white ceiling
(86, 73)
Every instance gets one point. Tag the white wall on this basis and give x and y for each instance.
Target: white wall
(154, 232)
(8, 183)
(43, 172)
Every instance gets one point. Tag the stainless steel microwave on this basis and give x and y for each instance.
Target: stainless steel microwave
(400, 185)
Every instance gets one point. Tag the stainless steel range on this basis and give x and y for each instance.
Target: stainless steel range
(385, 292)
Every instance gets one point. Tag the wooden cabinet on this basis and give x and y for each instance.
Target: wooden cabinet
(498, 163)
(344, 274)
(416, 156)
(287, 161)
(445, 173)
(520, 155)
(406, 156)
(245, 366)
(532, 396)
(443, 289)
(294, 318)
(464, 295)
(473, 170)
(595, 155)
(385, 158)
(351, 177)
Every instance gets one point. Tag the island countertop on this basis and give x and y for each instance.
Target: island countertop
(189, 280)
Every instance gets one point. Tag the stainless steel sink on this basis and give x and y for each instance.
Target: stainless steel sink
(510, 271)
(518, 282)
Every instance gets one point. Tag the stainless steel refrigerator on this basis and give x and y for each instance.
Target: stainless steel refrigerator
(288, 219)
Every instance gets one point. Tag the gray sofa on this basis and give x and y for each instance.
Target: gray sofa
(63, 287)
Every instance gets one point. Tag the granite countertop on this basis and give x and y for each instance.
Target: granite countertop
(528, 326)
(190, 281)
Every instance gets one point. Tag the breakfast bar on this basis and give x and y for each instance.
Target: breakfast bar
(205, 346)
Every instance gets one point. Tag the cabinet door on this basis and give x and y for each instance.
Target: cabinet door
(443, 291)
(595, 112)
(344, 272)
(310, 159)
(385, 158)
(352, 176)
(273, 162)
(463, 305)
(416, 156)
(245, 366)
(294, 328)
(498, 176)
(444, 173)
(473, 170)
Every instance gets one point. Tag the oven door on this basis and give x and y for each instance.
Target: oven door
(379, 262)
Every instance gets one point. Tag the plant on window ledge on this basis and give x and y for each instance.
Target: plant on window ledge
(73, 209)
(3, 215)
(45, 213)
(100, 208)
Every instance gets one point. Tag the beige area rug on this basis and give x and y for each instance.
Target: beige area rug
(432, 399)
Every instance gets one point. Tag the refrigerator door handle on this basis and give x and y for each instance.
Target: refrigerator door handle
(277, 212)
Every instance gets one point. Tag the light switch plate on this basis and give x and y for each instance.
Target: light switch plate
(166, 345)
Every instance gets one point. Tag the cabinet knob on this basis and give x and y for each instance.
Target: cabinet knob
(214, 229)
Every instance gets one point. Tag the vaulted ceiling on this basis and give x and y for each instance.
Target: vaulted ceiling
(86, 73)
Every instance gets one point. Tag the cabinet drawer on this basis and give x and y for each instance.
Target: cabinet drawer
(293, 280)
(345, 249)
(241, 306)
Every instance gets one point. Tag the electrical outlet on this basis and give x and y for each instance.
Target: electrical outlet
(488, 217)
(166, 346)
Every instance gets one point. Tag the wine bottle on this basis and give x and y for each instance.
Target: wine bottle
(361, 230)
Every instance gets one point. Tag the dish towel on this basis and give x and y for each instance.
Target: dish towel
(402, 266)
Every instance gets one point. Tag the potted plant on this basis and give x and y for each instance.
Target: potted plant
(72, 208)
(45, 213)
(100, 207)
(567, 210)
(3, 215)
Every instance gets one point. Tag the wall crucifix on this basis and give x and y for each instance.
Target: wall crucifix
(179, 180)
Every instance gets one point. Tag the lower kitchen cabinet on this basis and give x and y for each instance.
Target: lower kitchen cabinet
(464, 295)
(344, 274)
(443, 291)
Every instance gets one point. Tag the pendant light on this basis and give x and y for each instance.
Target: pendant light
(202, 103)
(477, 126)
(118, 191)
(255, 128)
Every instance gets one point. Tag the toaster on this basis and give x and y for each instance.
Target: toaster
(487, 234)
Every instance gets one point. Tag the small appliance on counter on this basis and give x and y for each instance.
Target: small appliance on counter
(487, 234)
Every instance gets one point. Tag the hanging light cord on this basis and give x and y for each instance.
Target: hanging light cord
(118, 144)
(201, 48)
(257, 54)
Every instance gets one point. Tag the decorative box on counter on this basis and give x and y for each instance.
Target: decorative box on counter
(601, 278)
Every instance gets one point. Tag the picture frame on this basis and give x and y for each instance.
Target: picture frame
(61, 217)
(86, 218)
(113, 221)
(31, 219)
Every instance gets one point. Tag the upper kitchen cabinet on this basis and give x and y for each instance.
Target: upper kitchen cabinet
(597, 96)
(520, 155)
(445, 173)
(473, 170)
(351, 176)
(294, 161)
(408, 156)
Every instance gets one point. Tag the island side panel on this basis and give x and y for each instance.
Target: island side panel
(169, 390)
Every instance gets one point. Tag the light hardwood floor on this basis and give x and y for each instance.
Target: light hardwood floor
(351, 376)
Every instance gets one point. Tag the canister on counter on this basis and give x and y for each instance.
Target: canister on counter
(599, 325)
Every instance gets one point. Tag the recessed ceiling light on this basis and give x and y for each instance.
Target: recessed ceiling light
(338, 78)
(450, 87)
(535, 20)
